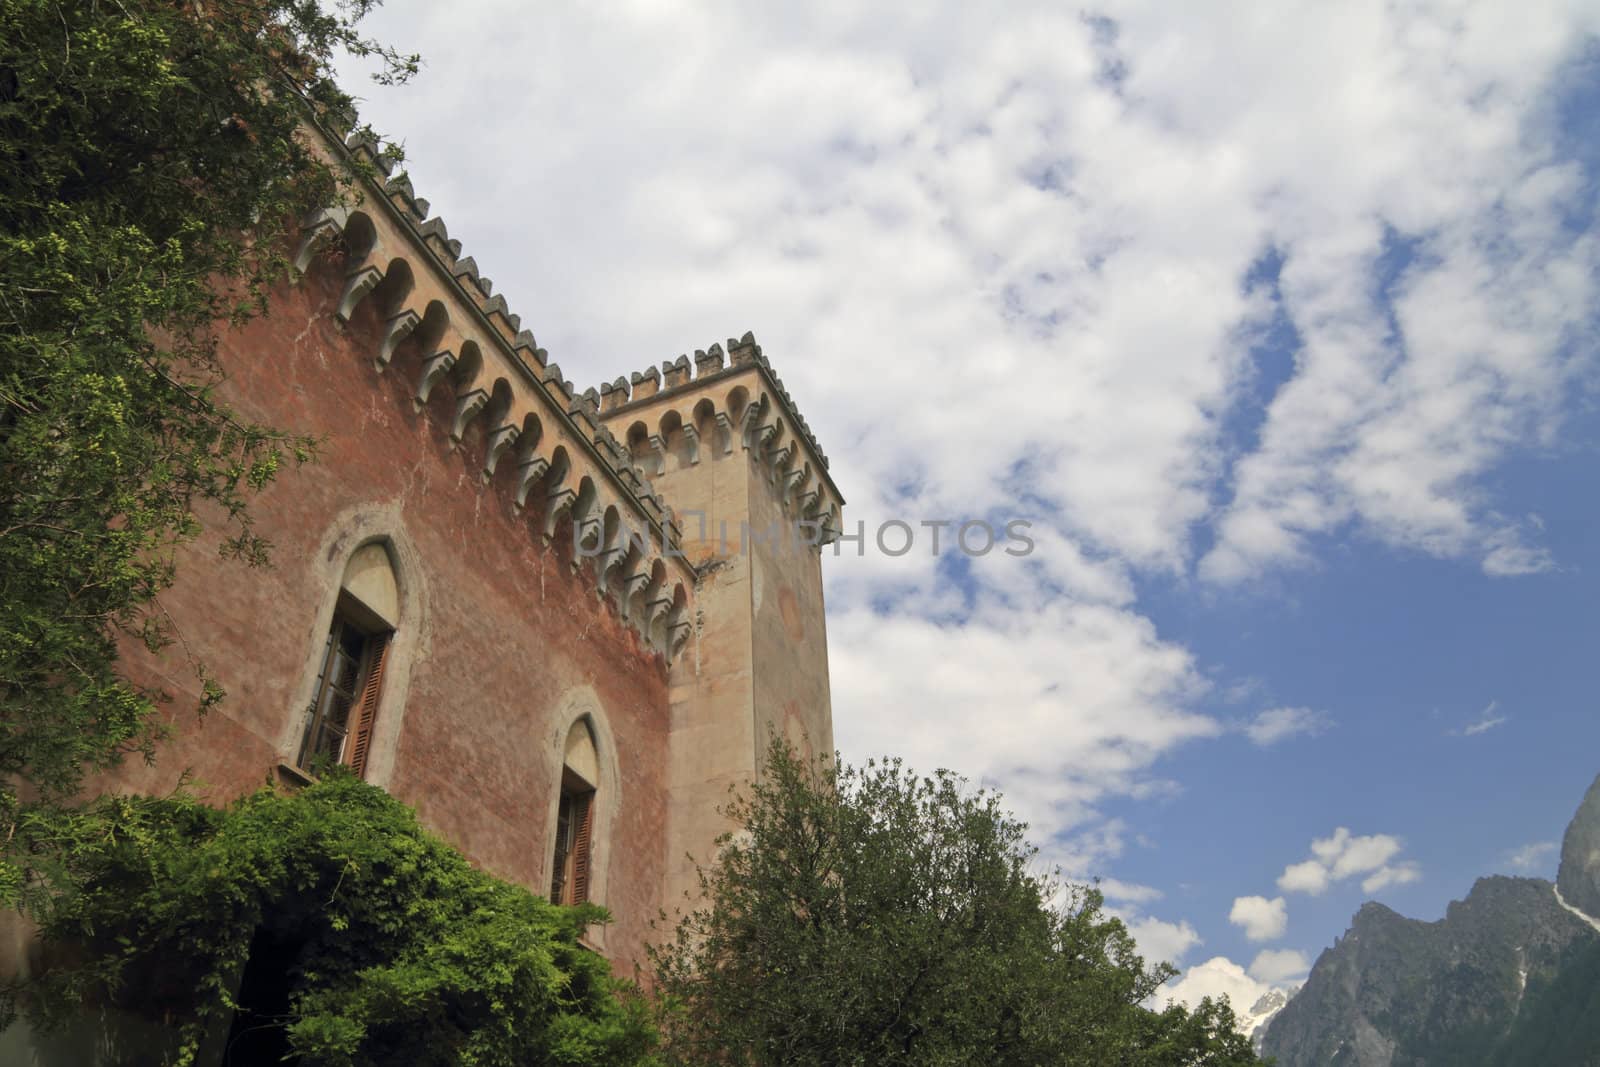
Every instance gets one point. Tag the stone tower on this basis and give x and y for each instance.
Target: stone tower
(721, 442)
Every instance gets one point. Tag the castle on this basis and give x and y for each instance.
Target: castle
(559, 625)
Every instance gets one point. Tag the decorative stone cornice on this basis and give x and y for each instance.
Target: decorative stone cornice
(439, 323)
(708, 364)
(767, 423)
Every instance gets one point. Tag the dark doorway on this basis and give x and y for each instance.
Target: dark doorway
(258, 1037)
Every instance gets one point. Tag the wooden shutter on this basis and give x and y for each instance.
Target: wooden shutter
(580, 848)
(367, 711)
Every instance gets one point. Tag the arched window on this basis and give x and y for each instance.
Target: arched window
(344, 702)
(571, 865)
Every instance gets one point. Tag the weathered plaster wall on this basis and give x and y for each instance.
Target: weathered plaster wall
(788, 636)
(713, 732)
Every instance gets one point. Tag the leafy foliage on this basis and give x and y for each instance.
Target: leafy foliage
(872, 916)
(396, 949)
(141, 143)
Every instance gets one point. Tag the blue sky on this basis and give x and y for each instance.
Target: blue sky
(1277, 322)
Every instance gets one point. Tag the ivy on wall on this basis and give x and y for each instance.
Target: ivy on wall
(325, 924)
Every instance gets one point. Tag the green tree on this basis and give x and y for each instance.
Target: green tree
(342, 932)
(142, 145)
(872, 916)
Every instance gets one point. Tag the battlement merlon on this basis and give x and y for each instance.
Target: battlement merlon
(718, 401)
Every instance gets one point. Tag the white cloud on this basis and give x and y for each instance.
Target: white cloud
(1510, 557)
(1344, 855)
(1260, 918)
(1091, 698)
(999, 283)
(1279, 724)
(1018, 219)
(1276, 965)
(1127, 892)
(1532, 856)
(1222, 979)
(1383, 877)
(1309, 876)
(1216, 978)
(1161, 941)
(1487, 720)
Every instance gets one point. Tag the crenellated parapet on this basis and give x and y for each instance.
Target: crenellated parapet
(718, 404)
(429, 315)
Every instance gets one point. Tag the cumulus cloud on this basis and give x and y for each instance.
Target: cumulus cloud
(1161, 941)
(1383, 877)
(1532, 856)
(1309, 876)
(1022, 267)
(988, 191)
(1275, 965)
(1221, 978)
(1345, 855)
(1260, 918)
(1280, 724)
(1217, 977)
(1079, 724)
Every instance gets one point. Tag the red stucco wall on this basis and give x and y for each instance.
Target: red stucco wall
(510, 629)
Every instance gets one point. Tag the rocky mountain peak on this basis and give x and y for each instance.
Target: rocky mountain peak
(1579, 876)
(1510, 976)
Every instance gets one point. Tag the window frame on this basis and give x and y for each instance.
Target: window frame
(572, 859)
(580, 706)
(362, 696)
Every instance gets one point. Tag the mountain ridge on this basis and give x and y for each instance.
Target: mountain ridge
(1578, 878)
(1509, 976)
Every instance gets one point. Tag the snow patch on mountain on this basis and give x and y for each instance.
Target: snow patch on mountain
(1585, 916)
(1253, 1022)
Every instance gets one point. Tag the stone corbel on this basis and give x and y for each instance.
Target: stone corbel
(656, 607)
(557, 503)
(749, 427)
(323, 227)
(397, 330)
(692, 435)
(604, 561)
(358, 284)
(808, 501)
(677, 637)
(792, 480)
(434, 367)
(725, 424)
(779, 458)
(747, 419)
(659, 447)
(532, 469)
(500, 439)
(829, 534)
(467, 407)
(631, 585)
(589, 532)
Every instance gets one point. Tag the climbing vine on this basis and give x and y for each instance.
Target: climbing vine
(325, 924)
